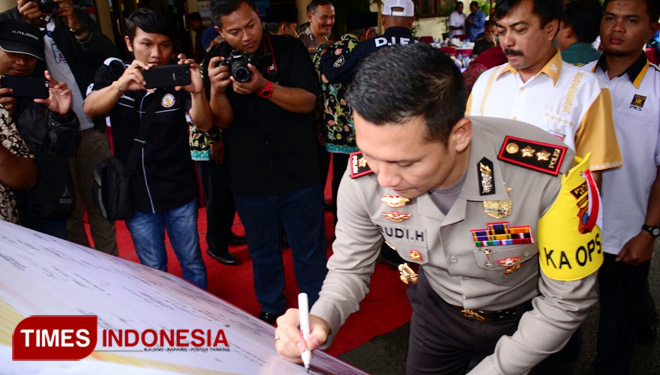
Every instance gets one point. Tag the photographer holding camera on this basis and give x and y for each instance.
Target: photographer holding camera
(74, 47)
(163, 189)
(48, 126)
(270, 148)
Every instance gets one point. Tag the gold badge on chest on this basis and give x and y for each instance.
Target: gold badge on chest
(394, 201)
(396, 216)
(498, 209)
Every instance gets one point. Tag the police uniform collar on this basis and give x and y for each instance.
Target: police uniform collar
(552, 69)
(480, 148)
(635, 71)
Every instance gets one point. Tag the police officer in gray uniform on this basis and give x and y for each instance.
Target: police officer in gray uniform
(499, 215)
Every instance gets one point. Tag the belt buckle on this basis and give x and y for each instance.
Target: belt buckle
(471, 314)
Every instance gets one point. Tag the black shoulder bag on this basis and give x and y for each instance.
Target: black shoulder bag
(111, 186)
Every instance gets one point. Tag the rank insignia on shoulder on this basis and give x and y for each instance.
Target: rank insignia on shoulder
(486, 182)
(396, 216)
(394, 201)
(358, 165)
(539, 156)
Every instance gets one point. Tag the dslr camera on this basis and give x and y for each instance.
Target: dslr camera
(47, 6)
(238, 65)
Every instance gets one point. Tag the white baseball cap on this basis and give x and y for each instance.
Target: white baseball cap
(407, 8)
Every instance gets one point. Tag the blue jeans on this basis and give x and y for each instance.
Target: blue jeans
(301, 214)
(148, 233)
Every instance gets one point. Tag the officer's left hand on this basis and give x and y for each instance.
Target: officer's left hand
(638, 250)
(256, 82)
(196, 85)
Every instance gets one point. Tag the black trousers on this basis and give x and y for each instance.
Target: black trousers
(220, 209)
(339, 164)
(623, 290)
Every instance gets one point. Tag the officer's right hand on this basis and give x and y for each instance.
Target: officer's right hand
(218, 75)
(7, 100)
(290, 343)
(29, 11)
(132, 79)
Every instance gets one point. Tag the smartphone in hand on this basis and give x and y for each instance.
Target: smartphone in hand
(26, 87)
(167, 76)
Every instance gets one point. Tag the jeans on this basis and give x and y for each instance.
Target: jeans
(301, 214)
(148, 233)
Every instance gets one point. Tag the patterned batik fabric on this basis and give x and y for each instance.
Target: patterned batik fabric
(337, 130)
(12, 141)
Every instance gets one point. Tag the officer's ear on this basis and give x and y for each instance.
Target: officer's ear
(461, 135)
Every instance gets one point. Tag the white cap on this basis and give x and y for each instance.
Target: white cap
(407, 8)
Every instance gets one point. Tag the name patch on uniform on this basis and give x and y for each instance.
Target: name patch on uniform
(412, 236)
(501, 234)
(637, 102)
(358, 165)
(542, 157)
(568, 237)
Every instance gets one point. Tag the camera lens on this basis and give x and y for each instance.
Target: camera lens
(48, 6)
(241, 74)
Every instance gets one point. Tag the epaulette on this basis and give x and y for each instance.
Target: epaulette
(539, 156)
(358, 165)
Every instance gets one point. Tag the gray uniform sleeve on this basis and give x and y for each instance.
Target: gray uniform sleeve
(354, 255)
(558, 312)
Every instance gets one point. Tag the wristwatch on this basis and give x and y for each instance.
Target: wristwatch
(267, 91)
(655, 231)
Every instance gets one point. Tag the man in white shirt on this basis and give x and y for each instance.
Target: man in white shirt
(457, 21)
(535, 86)
(631, 195)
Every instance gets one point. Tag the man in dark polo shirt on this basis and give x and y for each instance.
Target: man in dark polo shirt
(163, 185)
(271, 154)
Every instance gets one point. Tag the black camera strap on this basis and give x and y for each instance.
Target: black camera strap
(141, 137)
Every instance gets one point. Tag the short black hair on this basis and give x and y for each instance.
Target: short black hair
(401, 82)
(221, 8)
(311, 8)
(584, 17)
(547, 10)
(489, 23)
(476, 4)
(150, 21)
(195, 16)
(652, 9)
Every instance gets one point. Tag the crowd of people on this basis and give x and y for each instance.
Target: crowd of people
(511, 197)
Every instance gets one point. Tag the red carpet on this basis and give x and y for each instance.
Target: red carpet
(385, 308)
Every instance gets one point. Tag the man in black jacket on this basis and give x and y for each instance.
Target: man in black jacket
(49, 128)
(271, 150)
(397, 18)
(74, 48)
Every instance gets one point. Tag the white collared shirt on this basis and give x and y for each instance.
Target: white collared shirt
(637, 123)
